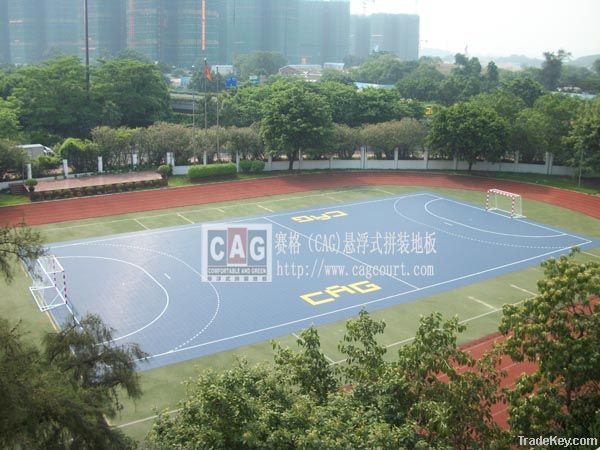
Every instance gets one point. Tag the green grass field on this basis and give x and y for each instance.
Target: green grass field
(478, 305)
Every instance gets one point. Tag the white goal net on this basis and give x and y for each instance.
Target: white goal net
(49, 283)
(507, 202)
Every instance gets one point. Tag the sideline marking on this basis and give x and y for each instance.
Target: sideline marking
(384, 191)
(184, 218)
(264, 207)
(591, 254)
(146, 419)
(487, 305)
(141, 224)
(167, 275)
(523, 290)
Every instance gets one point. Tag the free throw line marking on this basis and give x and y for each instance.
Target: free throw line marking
(487, 305)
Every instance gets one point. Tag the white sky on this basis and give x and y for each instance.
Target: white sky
(501, 27)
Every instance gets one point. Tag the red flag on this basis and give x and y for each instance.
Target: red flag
(207, 72)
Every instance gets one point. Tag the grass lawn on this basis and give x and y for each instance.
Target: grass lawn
(9, 199)
(163, 387)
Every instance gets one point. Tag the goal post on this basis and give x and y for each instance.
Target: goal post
(507, 202)
(49, 283)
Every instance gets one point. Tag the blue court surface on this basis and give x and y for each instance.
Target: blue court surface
(327, 264)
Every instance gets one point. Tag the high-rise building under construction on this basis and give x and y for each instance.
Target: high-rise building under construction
(183, 32)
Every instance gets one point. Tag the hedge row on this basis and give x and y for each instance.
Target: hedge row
(96, 190)
(198, 173)
(252, 166)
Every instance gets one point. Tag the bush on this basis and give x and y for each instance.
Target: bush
(246, 165)
(258, 165)
(165, 170)
(198, 173)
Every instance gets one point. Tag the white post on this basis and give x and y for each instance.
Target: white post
(455, 163)
(395, 158)
(330, 162)
(171, 159)
(363, 157)
(100, 165)
(237, 161)
(134, 159)
(426, 158)
(204, 158)
(270, 162)
(516, 168)
(29, 174)
(299, 159)
(65, 165)
(548, 159)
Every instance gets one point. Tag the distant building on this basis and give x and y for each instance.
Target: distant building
(27, 30)
(308, 72)
(4, 35)
(64, 27)
(107, 35)
(394, 33)
(324, 31)
(261, 25)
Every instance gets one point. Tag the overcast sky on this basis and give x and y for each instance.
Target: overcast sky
(501, 27)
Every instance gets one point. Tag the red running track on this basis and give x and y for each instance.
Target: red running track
(108, 205)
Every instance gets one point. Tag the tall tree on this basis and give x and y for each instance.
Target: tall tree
(552, 67)
(559, 329)
(467, 131)
(132, 90)
(525, 88)
(293, 119)
(18, 244)
(585, 137)
(259, 64)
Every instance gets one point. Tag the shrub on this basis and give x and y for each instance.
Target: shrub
(197, 173)
(165, 171)
(258, 165)
(31, 183)
(246, 165)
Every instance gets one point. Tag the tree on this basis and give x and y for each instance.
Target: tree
(82, 155)
(12, 159)
(9, 121)
(18, 244)
(529, 135)
(467, 131)
(59, 397)
(596, 66)
(52, 101)
(378, 105)
(491, 75)
(337, 76)
(409, 402)
(559, 329)
(259, 64)
(242, 107)
(344, 102)
(382, 68)
(406, 135)
(132, 90)
(245, 140)
(294, 119)
(560, 111)
(551, 68)
(344, 141)
(584, 137)
(525, 88)
(423, 84)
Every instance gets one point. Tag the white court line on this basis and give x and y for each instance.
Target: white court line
(483, 230)
(487, 305)
(184, 218)
(449, 224)
(191, 227)
(385, 192)
(361, 305)
(220, 210)
(522, 290)
(334, 250)
(146, 419)
(591, 254)
(141, 224)
(167, 275)
(264, 207)
(137, 267)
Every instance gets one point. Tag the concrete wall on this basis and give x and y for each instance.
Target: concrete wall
(419, 164)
